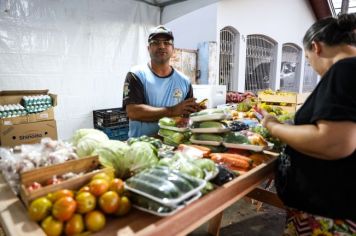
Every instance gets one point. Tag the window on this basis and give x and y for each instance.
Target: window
(310, 78)
(260, 58)
(228, 64)
(290, 67)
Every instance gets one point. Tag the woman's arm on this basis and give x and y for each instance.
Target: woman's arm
(328, 140)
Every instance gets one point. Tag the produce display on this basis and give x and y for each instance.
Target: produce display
(192, 157)
(67, 212)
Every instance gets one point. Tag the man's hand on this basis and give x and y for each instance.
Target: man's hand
(185, 107)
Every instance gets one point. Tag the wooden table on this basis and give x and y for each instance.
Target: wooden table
(13, 216)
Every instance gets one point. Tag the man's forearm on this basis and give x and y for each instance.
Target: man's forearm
(147, 113)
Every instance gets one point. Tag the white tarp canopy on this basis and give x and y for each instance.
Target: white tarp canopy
(80, 50)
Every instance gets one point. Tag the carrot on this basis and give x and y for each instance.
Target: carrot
(204, 149)
(230, 160)
(259, 158)
(234, 155)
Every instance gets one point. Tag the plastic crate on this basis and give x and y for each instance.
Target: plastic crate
(110, 117)
(117, 132)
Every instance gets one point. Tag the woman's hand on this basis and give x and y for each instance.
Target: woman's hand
(269, 120)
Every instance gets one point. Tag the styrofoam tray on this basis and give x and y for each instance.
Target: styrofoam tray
(174, 209)
(174, 128)
(166, 201)
(212, 143)
(245, 146)
(209, 130)
(217, 116)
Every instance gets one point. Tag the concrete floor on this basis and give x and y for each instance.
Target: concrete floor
(242, 219)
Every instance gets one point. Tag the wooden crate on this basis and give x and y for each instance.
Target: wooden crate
(41, 175)
(290, 98)
(292, 101)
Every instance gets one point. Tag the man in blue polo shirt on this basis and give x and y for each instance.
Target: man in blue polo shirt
(156, 89)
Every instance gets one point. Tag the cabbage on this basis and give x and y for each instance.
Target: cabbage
(139, 156)
(80, 133)
(89, 143)
(111, 154)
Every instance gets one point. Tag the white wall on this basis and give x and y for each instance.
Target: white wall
(194, 27)
(79, 49)
(285, 21)
(282, 20)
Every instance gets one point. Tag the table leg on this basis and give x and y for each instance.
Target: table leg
(214, 224)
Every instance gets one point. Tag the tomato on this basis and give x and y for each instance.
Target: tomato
(98, 186)
(95, 221)
(109, 202)
(54, 180)
(64, 208)
(102, 175)
(124, 206)
(59, 194)
(39, 209)
(51, 226)
(117, 185)
(85, 188)
(74, 225)
(85, 202)
(34, 186)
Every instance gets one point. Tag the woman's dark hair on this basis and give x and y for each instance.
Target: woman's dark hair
(332, 31)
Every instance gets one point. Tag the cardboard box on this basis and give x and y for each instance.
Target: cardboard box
(15, 96)
(30, 128)
(12, 135)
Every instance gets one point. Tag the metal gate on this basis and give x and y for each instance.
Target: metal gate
(227, 57)
(310, 78)
(260, 55)
(290, 67)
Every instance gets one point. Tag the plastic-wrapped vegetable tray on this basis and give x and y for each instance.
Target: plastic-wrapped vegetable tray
(165, 186)
(178, 129)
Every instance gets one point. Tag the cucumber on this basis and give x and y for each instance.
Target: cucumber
(151, 189)
(182, 184)
(162, 183)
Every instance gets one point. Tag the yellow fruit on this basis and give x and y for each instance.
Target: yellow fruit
(75, 225)
(109, 202)
(117, 185)
(124, 206)
(95, 221)
(98, 186)
(51, 226)
(64, 208)
(39, 209)
(53, 197)
(85, 202)
(102, 176)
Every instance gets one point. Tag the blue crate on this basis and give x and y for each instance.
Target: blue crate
(117, 132)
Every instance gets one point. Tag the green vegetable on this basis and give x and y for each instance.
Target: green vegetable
(166, 121)
(112, 154)
(236, 137)
(212, 124)
(207, 137)
(89, 143)
(140, 156)
(81, 133)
